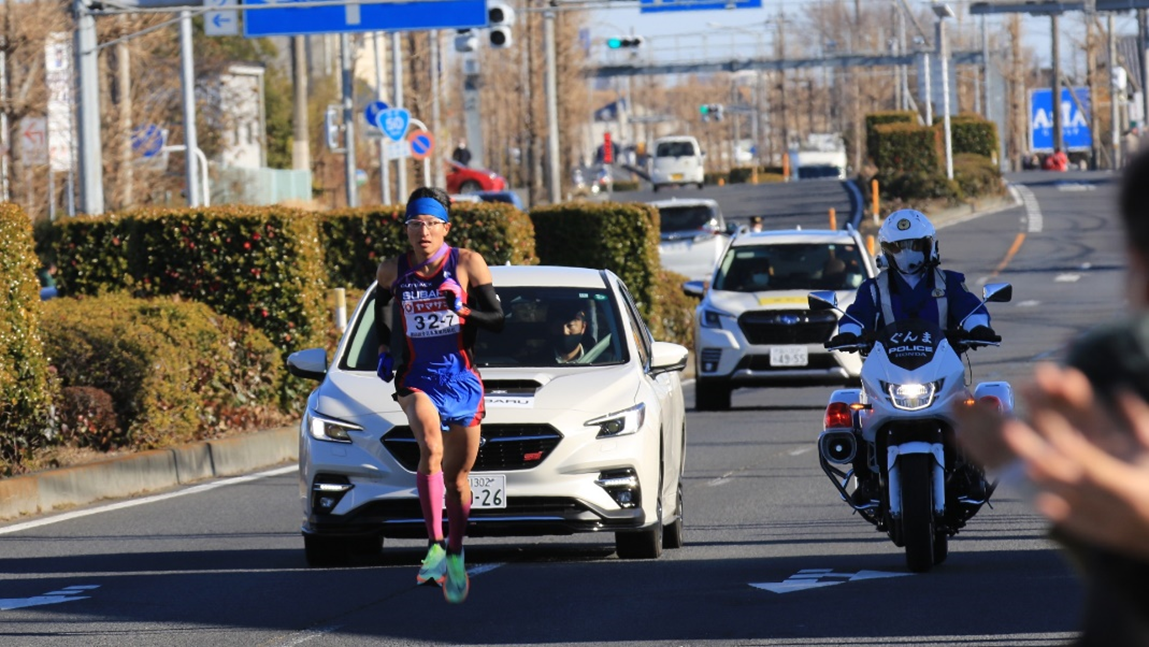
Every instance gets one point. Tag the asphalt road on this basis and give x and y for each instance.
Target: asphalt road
(224, 566)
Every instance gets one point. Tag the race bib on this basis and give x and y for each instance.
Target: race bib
(429, 318)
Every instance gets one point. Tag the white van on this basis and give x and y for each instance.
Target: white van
(677, 160)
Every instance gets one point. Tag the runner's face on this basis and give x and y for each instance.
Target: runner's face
(426, 233)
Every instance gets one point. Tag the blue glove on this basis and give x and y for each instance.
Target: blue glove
(386, 368)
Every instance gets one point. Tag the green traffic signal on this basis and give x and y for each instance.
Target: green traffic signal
(614, 43)
(704, 109)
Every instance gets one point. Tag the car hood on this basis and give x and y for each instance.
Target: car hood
(738, 302)
(353, 395)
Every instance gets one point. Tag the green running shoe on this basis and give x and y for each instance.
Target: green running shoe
(434, 569)
(457, 584)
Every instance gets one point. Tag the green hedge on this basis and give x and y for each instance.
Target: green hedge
(971, 134)
(744, 174)
(618, 186)
(886, 117)
(901, 148)
(672, 318)
(977, 175)
(355, 240)
(261, 265)
(619, 236)
(175, 371)
(26, 384)
(712, 177)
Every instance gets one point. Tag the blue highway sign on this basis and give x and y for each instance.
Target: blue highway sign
(147, 140)
(393, 122)
(338, 18)
(372, 112)
(1074, 123)
(655, 6)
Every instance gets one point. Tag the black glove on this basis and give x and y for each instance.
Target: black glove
(843, 339)
(983, 333)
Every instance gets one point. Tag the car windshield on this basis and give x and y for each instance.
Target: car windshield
(545, 326)
(675, 149)
(790, 266)
(687, 218)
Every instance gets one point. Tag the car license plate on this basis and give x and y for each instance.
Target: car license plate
(789, 356)
(489, 491)
(674, 248)
(676, 176)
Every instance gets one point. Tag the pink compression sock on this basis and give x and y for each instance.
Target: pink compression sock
(430, 498)
(457, 515)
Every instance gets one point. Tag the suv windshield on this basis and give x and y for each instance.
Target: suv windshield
(792, 266)
(544, 325)
(685, 218)
(675, 149)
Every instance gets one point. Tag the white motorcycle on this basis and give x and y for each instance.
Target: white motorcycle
(889, 446)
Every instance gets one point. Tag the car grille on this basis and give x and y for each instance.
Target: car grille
(505, 447)
(823, 361)
(787, 326)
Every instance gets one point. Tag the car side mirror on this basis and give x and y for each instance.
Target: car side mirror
(309, 364)
(694, 289)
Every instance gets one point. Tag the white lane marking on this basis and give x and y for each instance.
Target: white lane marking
(68, 594)
(1076, 187)
(815, 578)
(1034, 220)
(76, 514)
(482, 568)
(1068, 277)
(799, 451)
(1030, 303)
(301, 637)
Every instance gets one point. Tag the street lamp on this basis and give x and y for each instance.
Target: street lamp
(943, 11)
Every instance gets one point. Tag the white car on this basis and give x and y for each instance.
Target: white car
(693, 236)
(595, 445)
(754, 326)
(677, 161)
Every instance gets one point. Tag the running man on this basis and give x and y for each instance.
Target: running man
(436, 382)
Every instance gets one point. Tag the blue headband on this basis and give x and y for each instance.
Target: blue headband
(427, 207)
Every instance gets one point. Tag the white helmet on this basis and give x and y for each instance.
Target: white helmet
(908, 242)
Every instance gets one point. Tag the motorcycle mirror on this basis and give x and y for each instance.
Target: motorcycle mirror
(997, 292)
(823, 300)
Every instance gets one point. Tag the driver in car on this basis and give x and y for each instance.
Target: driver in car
(566, 327)
(916, 288)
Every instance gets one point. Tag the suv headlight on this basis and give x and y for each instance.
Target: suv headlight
(912, 397)
(330, 429)
(619, 423)
(711, 318)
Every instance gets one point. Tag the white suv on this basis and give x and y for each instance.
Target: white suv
(754, 326)
(693, 235)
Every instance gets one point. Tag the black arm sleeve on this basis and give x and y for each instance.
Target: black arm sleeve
(489, 313)
(382, 330)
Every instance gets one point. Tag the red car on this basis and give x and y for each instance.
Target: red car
(461, 179)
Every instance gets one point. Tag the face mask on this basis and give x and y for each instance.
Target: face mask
(760, 280)
(569, 342)
(909, 262)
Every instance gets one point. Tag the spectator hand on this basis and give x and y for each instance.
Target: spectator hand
(386, 369)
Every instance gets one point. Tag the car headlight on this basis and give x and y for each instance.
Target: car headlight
(329, 429)
(912, 397)
(619, 423)
(713, 318)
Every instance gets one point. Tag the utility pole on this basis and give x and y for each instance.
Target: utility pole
(300, 141)
(1091, 78)
(1057, 125)
(552, 108)
(91, 169)
(187, 77)
(348, 120)
(1142, 43)
(1114, 116)
(436, 126)
(397, 102)
(384, 163)
(124, 74)
(1017, 116)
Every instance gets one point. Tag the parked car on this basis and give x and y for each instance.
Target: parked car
(754, 326)
(693, 235)
(593, 445)
(510, 197)
(463, 179)
(676, 161)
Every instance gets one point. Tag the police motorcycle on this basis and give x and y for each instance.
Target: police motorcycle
(889, 447)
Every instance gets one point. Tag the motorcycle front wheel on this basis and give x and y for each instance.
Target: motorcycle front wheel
(918, 510)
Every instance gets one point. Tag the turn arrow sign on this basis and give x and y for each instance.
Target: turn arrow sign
(69, 594)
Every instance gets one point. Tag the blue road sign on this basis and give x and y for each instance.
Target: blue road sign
(338, 18)
(1074, 123)
(372, 112)
(148, 140)
(654, 6)
(393, 122)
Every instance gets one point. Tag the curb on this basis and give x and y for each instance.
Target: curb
(975, 209)
(145, 472)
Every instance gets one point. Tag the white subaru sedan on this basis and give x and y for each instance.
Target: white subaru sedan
(581, 435)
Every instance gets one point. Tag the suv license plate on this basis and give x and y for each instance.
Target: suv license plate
(490, 490)
(789, 356)
(676, 176)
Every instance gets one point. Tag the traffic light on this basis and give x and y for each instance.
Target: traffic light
(717, 109)
(704, 110)
(466, 41)
(500, 18)
(625, 42)
(711, 111)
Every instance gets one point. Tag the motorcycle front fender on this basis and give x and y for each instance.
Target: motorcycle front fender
(895, 482)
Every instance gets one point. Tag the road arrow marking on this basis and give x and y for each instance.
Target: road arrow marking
(816, 578)
(69, 594)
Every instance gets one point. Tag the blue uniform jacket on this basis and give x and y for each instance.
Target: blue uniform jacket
(915, 303)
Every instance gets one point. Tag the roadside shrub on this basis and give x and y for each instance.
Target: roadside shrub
(175, 371)
(911, 187)
(886, 117)
(744, 174)
(673, 316)
(712, 177)
(901, 148)
(354, 241)
(619, 236)
(977, 176)
(972, 134)
(741, 174)
(625, 185)
(87, 417)
(25, 379)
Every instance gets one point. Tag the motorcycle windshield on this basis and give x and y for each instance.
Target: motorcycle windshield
(910, 344)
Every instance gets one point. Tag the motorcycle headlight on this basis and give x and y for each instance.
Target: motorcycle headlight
(713, 318)
(912, 397)
(619, 423)
(329, 429)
